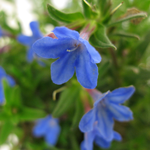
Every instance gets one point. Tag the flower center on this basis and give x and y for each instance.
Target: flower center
(73, 49)
(102, 102)
(52, 123)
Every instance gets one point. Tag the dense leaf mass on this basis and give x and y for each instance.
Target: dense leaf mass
(92, 46)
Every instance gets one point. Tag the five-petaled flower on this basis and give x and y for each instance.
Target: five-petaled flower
(9, 79)
(106, 108)
(49, 128)
(95, 136)
(29, 40)
(74, 53)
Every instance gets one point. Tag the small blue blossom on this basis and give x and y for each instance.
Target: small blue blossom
(10, 81)
(95, 136)
(106, 108)
(29, 40)
(1, 32)
(74, 53)
(49, 128)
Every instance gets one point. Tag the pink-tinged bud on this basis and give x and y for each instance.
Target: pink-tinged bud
(95, 94)
(52, 35)
(86, 32)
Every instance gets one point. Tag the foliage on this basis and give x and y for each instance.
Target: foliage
(121, 36)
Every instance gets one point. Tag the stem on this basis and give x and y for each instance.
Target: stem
(114, 58)
(115, 62)
(114, 10)
(57, 91)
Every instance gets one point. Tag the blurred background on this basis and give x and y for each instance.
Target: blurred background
(130, 66)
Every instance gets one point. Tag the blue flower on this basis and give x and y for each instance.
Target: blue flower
(29, 40)
(49, 128)
(74, 53)
(106, 108)
(95, 136)
(10, 81)
(1, 32)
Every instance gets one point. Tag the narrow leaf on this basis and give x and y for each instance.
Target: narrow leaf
(16, 97)
(67, 98)
(6, 129)
(129, 17)
(100, 39)
(61, 16)
(7, 91)
(127, 35)
(88, 10)
(3, 116)
(30, 114)
(79, 112)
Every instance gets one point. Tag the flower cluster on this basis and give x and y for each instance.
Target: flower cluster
(49, 128)
(74, 53)
(29, 40)
(10, 81)
(100, 119)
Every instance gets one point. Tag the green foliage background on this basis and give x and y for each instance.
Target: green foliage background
(32, 97)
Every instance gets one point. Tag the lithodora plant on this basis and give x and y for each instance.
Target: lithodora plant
(81, 44)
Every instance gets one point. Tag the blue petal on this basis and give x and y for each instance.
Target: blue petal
(82, 146)
(63, 68)
(102, 97)
(30, 55)
(120, 95)
(87, 121)
(61, 32)
(52, 48)
(10, 80)
(105, 122)
(95, 56)
(119, 112)
(88, 140)
(1, 94)
(2, 72)
(117, 136)
(1, 32)
(35, 29)
(101, 142)
(52, 135)
(41, 127)
(86, 71)
(25, 40)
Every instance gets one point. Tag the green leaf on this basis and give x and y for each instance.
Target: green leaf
(89, 12)
(140, 50)
(12, 95)
(129, 17)
(30, 114)
(60, 16)
(104, 6)
(79, 112)
(100, 39)
(16, 97)
(74, 143)
(127, 35)
(6, 129)
(3, 116)
(67, 98)
(7, 91)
